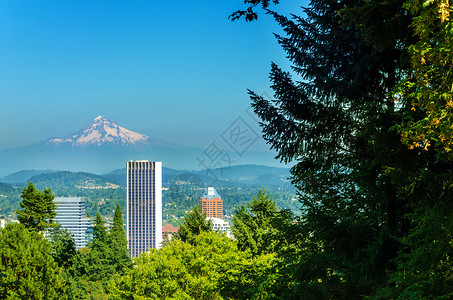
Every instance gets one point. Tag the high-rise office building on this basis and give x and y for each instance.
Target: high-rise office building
(71, 215)
(144, 206)
(212, 204)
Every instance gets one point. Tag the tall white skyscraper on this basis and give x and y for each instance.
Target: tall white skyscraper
(144, 206)
(71, 215)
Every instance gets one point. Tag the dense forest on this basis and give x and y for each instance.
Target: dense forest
(9, 198)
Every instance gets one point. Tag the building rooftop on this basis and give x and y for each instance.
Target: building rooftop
(169, 228)
(69, 199)
(211, 193)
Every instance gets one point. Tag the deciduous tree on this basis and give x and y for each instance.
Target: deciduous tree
(210, 267)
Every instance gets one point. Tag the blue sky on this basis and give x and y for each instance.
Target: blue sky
(173, 70)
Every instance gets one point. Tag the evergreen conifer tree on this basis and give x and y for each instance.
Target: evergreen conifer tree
(117, 242)
(27, 269)
(99, 232)
(365, 76)
(193, 224)
(38, 208)
(100, 267)
(253, 228)
(63, 247)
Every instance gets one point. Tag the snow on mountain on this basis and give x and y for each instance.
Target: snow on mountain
(101, 132)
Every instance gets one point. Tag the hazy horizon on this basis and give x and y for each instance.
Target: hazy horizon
(177, 72)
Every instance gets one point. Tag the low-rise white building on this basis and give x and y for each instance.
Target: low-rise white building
(2, 222)
(222, 226)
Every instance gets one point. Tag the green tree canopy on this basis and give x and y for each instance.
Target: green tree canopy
(27, 269)
(193, 224)
(38, 208)
(63, 247)
(211, 267)
(100, 256)
(117, 242)
(253, 228)
(427, 88)
(95, 265)
(99, 232)
(365, 76)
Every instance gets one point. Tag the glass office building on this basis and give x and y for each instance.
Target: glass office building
(71, 215)
(144, 206)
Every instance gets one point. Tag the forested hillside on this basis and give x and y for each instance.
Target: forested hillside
(182, 189)
(9, 198)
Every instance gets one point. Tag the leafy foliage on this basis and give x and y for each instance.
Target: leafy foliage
(90, 269)
(375, 215)
(117, 241)
(253, 228)
(63, 247)
(331, 123)
(365, 113)
(249, 14)
(424, 264)
(194, 223)
(99, 262)
(38, 208)
(211, 267)
(427, 89)
(27, 269)
(10, 199)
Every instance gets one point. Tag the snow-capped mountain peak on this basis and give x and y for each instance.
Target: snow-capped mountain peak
(102, 131)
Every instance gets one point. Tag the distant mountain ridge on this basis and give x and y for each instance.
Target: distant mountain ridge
(68, 179)
(23, 176)
(241, 174)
